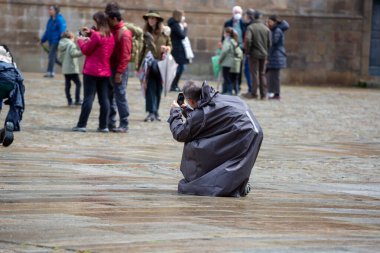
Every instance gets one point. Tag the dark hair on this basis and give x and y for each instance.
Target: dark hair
(55, 7)
(257, 14)
(233, 34)
(100, 19)
(113, 11)
(275, 18)
(250, 14)
(159, 25)
(192, 90)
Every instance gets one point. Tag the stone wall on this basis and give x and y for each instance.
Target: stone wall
(328, 41)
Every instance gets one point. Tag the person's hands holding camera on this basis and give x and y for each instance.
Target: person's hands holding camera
(175, 105)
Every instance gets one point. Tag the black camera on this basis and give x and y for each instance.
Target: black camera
(181, 99)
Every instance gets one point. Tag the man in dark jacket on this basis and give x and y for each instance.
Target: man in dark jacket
(119, 63)
(55, 26)
(222, 140)
(257, 45)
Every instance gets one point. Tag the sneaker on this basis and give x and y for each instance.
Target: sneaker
(120, 129)
(151, 117)
(7, 134)
(247, 189)
(49, 75)
(157, 116)
(103, 130)
(275, 97)
(79, 129)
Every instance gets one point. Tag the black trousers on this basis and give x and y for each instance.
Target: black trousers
(75, 79)
(95, 85)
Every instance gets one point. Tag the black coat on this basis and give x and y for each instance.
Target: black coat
(176, 36)
(222, 140)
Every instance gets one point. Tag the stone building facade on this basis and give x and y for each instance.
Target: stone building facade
(329, 42)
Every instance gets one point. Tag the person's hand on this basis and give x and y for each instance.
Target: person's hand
(118, 78)
(165, 49)
(175, 105)
(184, 24)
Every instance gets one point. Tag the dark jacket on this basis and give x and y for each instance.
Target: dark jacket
(222, 139)
(9, 74)
(277, 53)
(257, 40)
(230, 23)
(177, 35)
(54, 29)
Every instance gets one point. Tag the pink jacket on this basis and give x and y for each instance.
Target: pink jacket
(98, 51)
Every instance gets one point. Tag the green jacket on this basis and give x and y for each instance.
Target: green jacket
(228, 54)
(153, 44)
(68, 54)
(257, 40)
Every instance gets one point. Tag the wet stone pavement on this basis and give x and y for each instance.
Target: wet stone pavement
(316, 181)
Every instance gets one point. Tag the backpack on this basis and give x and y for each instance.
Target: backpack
(238, 57)
(137, 39)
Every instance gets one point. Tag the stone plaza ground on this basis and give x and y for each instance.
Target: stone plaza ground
(316, 180)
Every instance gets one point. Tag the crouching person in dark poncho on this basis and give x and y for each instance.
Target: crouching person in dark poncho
(222, 140)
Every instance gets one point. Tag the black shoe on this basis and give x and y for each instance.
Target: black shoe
(78, 102)
(151, 117)
(7, 134)
(120, 129)
(112, 127)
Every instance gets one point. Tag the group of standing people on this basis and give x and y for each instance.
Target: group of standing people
(264, 53)
(108, 48)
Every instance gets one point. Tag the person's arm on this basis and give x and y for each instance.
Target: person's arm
(75, 51)
(126, 51)
(178, 32)
(87, 46)
(248, 41)
(185, 131)
(45, 36)
(224, 52)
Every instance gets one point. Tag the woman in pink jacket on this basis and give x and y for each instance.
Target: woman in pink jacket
(97, 48)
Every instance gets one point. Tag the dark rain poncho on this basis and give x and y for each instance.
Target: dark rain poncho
(222, 140)
(10, 76)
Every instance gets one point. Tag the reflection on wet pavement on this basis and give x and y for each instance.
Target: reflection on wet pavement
(316, 181)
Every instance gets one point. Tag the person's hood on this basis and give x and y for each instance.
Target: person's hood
(64, 43)
(172, 21)
(5, 55)
(207, 95)
(284, 26)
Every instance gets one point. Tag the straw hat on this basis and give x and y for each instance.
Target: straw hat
(154, 14)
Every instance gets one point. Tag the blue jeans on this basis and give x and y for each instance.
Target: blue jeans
(247, 74)
(154, 89)
(118, 100)
(95, 85)
(180, 70)
(53, 48)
